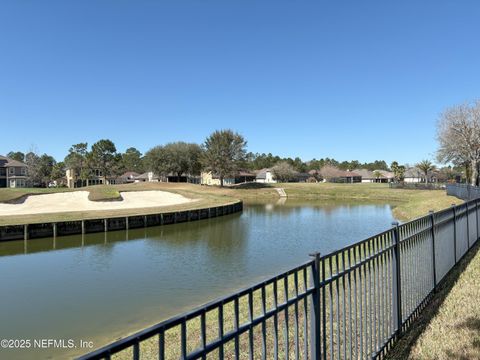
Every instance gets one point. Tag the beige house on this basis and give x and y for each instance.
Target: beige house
(96, 177)
(333, 174)
(13, 173)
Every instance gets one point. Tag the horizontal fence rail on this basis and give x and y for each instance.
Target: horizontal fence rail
(353, 303)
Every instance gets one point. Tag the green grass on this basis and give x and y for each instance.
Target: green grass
(408, 204)
(449, 327)
(104, 193)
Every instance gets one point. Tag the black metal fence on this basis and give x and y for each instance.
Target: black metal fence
(463, 191)
(352, 303)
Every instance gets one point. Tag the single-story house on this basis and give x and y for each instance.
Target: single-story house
(301, 177)
(148, 176)
(334, 174)
(13, 173)
(376, 176)
(184, 178)
(367, 175)
(265, 176)
(414, 175)
(128, 177)
(241, 176)
(388, 175)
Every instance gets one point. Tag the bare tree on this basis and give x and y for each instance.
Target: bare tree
(283, 172)
(458, 134)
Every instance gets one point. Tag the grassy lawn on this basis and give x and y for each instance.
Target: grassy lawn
(408, 204)
(449, 327)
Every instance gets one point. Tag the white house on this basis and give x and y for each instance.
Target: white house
(265, 176)
(414, 175)
(147, 177)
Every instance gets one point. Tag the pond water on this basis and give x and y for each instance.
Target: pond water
(100, 287)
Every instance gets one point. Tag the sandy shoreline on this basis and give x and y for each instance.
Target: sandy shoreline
(78, 201)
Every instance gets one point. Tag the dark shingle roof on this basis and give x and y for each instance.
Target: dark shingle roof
(10, 162)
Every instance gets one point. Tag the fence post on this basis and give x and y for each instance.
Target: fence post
(315, 318)
(454, 232)
(434, 260)
(476, 218)
(397, 288)
(467, 210)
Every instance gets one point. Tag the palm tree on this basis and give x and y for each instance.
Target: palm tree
(377, 175)
(426, 166)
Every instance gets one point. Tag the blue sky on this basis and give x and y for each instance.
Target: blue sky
(345, 79)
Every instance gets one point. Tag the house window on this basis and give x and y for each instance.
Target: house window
(24, 171)
(11, 170)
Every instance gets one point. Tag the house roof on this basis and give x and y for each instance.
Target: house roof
(245, 173)
(238, 173)
(332, 172)
(262, 174)
(387, 174)
(365, 173)
(129, 175)
(10, 162)
(145, 176)
(413, 172)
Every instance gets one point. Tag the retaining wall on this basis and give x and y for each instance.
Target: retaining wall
(53, 229)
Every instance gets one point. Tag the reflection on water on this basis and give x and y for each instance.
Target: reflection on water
(102, 286)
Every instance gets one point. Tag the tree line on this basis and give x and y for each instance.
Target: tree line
(223, 152)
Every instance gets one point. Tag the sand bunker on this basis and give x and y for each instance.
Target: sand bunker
(78, 201)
